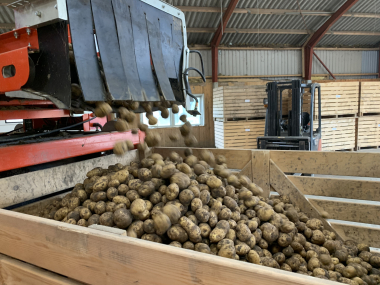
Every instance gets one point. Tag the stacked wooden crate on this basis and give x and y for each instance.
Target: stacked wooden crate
(239, 115)
(368, 125)
(340, 105)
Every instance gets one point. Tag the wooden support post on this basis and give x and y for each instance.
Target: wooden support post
(284, 186)
(218, 37)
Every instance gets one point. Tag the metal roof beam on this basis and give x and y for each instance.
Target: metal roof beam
(255, 11)
(318, 35)
(218, 37)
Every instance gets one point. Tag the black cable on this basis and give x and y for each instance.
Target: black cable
(4, 134)
(48, 133)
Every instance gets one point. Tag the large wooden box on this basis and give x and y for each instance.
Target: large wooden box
(239, 101)
(338, 98)
(370, 97)
(238, 134)
(338, 133)
(368, 131)
(34, 250)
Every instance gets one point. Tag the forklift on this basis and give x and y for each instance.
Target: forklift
(297, 131)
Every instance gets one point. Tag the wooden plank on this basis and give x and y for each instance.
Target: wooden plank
(280, 182)
(236, 159)
(100, 258)
(247, 170)
(358, 164)
(338, 187)
(24, 187)
(360, 211)
(15, 272)
(359, 232)
(260, 170)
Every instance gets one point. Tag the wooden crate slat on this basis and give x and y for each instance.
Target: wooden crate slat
(328, 163)
(348, 209)
(338, 187)
(13, 271)
(359, 232)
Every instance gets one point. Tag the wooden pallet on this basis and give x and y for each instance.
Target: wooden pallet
(368, 132)
(338, 134)
(238, 134)
(369, 97)
(338, 98)
(239, 101)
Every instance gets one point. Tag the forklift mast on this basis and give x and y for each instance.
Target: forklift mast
(295, 132)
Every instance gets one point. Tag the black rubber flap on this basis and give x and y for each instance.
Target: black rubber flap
(142, 51)
(127, 48)
(82, 35)
(108, 44)
(156, 51)
(52, 64)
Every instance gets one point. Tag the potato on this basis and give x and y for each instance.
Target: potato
(122, 218)
(279, 257)
(205, 230)
(196, 204)
(161, 222)
(122, 199)
(132, 195)
(85, 213)
(138, 207)
(61, 214)
(155, 198)
(98, 196)
(228, 251)
(242, 248)
(313, 263)
(230, 203)
(172, 192)
(146, 189)
(225, 214)
(101, 184)
(181, 179)
(148, 226)
(173, 136)
(191, 229)
(253, 257)
(102, 109)
(265, 214)
(97, 171)
(93, 220)
(74, 215)
(213, 220)
(134, 184)
(205, 197)
(220, 231)
(73, 203)
(202, 215)
(136, 229)
(186, 196)
(318, 237)
(188, 245)
(349, 272)
(287, 227)
(365, 256)
(213, 182)
(172, 212)
(106, 219)
(177, 233)
(152, 237)
(251, 202)
(82, 223)
(144, 174)
(167, 171)
(314, 224)
(284, 240)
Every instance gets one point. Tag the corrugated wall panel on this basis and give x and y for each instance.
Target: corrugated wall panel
(338, 62)
(194, 61)
(370, 61)
(259, 62)
(287, 62)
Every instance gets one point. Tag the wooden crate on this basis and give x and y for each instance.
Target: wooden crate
(369, 97)
(337, 133)
(338, 98)
(368, 131)
(239, 101)
(96, 257)
(238, 134)
(306, 101)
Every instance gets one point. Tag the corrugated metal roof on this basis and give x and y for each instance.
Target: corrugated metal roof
(250, 21)
(6, 17)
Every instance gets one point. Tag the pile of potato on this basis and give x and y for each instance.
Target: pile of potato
(198, 204)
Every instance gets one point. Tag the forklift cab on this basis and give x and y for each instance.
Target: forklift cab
(296, 132)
